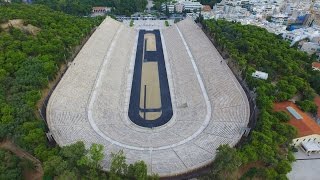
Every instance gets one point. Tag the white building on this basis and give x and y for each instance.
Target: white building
(301, 34)
(260, 75)
(310, 147)
(310, 47)
(169, 6)
(280, 19)
(182, 5)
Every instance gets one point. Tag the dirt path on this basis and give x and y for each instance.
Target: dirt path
(37, 174)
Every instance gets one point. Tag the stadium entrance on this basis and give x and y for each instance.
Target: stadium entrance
(150, 100)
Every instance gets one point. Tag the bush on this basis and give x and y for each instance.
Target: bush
(294, 149)
(307, 106)
(227, 161)
(283, 167)
(282, 116)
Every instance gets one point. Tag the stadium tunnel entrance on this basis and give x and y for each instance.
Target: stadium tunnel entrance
(150, 101)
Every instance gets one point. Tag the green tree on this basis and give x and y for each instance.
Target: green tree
(55, 166)
(227, 161)
(93, 158)
(282, 116)
(67, 175)
(315, 81)
(73, 153)
(10, 166)
(252, 48)
(118, 164)
(283, 167)
(308, 106)
(138, 170)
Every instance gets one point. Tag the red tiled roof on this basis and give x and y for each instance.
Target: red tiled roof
(206, 8)
(306, 126)
(317, 101)
(316, 65)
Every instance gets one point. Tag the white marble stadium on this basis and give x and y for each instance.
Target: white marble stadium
(90, 103)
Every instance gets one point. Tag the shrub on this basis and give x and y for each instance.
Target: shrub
(308, 106)
(282, 116)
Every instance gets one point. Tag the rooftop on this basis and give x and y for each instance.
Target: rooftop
(305, 126)
(316, 65)
(311, 146)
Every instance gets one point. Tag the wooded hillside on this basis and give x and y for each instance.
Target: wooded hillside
(252, 48)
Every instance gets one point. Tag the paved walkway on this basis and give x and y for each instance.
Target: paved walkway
(305, 170)
(305, 167)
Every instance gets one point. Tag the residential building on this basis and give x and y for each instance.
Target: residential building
(179, 7)
(316, 67)
(303, 22)
(280, 19)
(310, 47)
(191, 5)
(301, 34)
(168, 6)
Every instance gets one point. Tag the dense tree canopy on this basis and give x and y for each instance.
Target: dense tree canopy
(252, 48)
(226, 162)
(28, 61)
(121, 170)
(75, 161)
(83, 7)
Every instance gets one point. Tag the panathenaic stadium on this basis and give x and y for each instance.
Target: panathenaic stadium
(161, 94)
